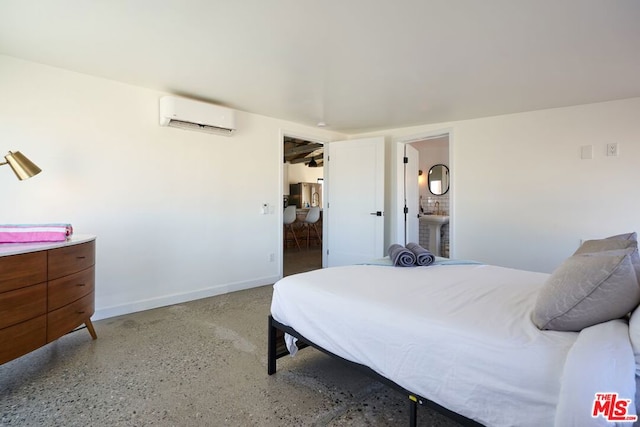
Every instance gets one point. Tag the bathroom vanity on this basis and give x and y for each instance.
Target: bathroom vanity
(434, 223)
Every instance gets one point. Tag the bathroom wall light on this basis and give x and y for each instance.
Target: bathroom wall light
(21, 165)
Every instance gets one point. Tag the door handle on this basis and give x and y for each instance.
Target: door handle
(377, 213)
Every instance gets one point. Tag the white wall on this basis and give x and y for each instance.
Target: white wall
(177, 218)
(176, 213)
(522, 197)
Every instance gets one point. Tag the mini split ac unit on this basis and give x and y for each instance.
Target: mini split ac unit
(188, 114)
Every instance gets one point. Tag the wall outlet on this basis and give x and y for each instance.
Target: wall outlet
(272, 257)
(612, 149)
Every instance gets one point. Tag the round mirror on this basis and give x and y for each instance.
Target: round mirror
(438, 180)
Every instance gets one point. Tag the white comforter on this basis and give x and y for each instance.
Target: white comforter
(461, 335)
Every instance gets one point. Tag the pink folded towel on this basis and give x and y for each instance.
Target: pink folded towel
(25, 233)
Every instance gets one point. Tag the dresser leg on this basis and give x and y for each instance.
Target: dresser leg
(90, 329)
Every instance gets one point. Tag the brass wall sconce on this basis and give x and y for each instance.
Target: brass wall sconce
(21, 165)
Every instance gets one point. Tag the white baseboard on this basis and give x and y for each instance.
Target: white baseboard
(163, 301)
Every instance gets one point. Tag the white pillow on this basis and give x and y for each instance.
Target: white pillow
(634, 336)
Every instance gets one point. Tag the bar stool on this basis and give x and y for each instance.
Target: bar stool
(310, 221)
(289, 219)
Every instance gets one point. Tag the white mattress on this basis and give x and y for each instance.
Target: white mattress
(459, 335)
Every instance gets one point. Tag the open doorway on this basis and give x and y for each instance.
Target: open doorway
(423, 206)
(434, 195)
(303, 190)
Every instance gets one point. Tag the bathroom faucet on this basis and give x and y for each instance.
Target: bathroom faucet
(437, 205)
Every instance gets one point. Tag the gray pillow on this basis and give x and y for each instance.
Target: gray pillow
(588, 289)
(625, 236)
(621, 241)
(591, 246)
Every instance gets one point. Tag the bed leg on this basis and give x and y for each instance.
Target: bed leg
(413, 411)
(271, 350)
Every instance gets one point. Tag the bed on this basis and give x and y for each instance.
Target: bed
(472, 340)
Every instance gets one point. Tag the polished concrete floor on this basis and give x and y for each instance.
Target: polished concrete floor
(201, 363)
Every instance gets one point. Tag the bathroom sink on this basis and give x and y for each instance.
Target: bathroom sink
(435, 223)
(435, 219)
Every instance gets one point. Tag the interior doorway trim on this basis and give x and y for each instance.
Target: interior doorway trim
(298, 135)
(434, 134)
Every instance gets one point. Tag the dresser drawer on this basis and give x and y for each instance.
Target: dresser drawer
(69, 288)
(69, 317)
(22, 304)
(22, 338)
(18, 271)
(71, 259)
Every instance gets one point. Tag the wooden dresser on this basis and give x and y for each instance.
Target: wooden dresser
(46, 291)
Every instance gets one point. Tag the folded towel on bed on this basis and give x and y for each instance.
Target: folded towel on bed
(26, 233)
(386, 261)
(401, 256)
(423, 256)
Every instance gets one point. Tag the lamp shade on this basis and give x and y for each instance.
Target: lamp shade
(22, 167)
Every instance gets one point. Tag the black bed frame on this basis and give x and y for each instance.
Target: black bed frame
(278, 349)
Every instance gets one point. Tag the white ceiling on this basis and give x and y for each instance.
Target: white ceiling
(355, 64)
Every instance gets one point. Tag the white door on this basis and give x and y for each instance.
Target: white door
(354, 205)
(411, 194)
(407, 206)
